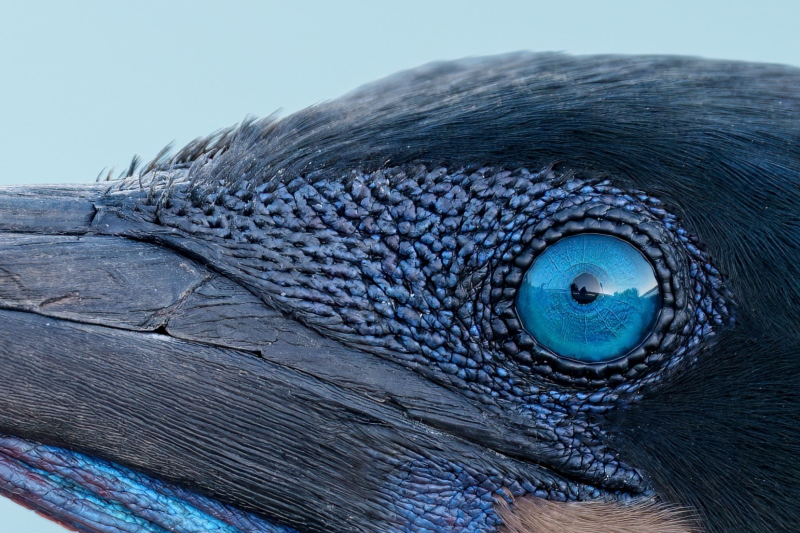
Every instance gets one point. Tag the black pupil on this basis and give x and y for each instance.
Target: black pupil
(585, 288)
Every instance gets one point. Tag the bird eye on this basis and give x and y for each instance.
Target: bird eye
(589, 297)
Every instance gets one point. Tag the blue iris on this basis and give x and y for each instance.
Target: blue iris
(589, 297)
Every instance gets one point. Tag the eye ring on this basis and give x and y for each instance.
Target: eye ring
(657, 244)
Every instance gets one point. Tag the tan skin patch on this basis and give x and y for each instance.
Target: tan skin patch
(535, 515)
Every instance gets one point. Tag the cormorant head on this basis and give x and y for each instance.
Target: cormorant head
(524, 293)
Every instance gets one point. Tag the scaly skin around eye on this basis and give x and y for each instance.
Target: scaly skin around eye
(427, 264)
(412, 264)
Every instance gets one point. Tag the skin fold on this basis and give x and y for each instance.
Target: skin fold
(310, 323)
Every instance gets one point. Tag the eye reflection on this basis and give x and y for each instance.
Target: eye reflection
(589, 297)
(585, 288)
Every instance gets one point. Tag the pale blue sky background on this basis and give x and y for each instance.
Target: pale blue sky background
(85, 85)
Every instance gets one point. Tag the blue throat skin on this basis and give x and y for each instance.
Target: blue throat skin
(469, 286)
(92, 495)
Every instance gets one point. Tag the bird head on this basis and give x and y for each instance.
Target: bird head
(523, 293)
